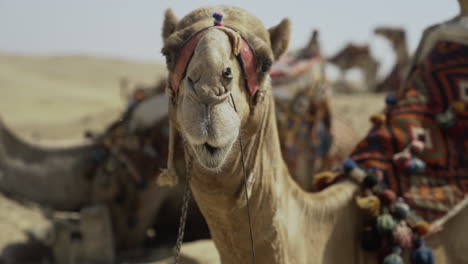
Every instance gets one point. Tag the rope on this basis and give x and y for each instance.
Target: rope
(245, 190)
(183, 216)
(186, 199)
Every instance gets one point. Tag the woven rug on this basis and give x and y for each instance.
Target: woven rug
(432, 108)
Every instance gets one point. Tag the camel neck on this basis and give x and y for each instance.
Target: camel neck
(402, 52)
(221, 196)
(282, 213)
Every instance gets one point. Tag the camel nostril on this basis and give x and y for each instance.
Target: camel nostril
(227, 73)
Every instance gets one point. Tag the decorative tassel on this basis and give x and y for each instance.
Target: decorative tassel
(395, 257)
(370, 239)
(369, 204)
(402, 235)
(388, 197)
(323, 179)
(370, 180)
(401, 210)
(168, 177)
(349, 165)
(416, 166)
(385, 224)
(445, 119)
(422, 228)
(422, 254)
(378, 119)
(358, 175)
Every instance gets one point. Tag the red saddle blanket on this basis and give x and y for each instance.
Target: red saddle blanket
(431, 108)
(291, 66)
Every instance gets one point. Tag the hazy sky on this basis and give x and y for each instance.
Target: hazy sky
(131, 29)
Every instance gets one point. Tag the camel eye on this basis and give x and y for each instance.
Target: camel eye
(266, 65)
(168, 58)
(227, 73)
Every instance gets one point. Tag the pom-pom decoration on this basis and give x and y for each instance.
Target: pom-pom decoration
(218, 16)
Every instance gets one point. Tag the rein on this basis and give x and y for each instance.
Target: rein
(248, 63)
(244, 170)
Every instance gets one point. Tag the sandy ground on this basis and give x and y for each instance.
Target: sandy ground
(46, 99)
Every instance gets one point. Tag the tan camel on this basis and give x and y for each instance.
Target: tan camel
(358, 56)
(397, 38)
(213, 106)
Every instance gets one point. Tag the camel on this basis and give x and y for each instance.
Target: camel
(397, 38)
(224, 110)
(359, 56)
(104, 184)
(74, 178)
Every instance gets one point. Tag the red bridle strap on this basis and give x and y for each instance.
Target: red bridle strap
(246, 57)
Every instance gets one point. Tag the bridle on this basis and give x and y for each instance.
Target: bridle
(246, 58)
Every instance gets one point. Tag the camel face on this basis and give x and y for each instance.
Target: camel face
(215, 84)
(394, 35)
(205, 111)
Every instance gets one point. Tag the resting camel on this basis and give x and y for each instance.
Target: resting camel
(101, 171)
(359, 56)
(224, 110)
(397, 38)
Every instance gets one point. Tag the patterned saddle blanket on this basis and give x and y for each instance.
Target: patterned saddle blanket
(421, 147)
(291, 66)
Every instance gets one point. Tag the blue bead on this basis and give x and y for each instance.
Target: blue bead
(416, 166)
(390, 100)
(393, 259)
(218, 16)
(349, 165)
(422, 255)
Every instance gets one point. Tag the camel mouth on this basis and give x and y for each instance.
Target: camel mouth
(210, 156)
(212, 150)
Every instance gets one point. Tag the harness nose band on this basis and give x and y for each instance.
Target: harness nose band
(241, 48)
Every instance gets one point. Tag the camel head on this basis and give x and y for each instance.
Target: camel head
(218, 77)
(350, 55)
(396, 36)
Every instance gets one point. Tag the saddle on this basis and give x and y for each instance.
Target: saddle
(413, 163)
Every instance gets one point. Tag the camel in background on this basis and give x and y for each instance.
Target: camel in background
(397, 39)
(311, 138)
(355, 56)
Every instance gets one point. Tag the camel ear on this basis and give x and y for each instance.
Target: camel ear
(313, 45)
(169, 24)
(279, 37)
